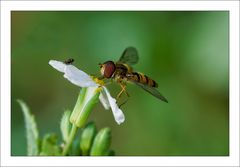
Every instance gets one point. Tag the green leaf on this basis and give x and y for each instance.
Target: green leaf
(65, 125)
(101, 142)
(49, 145)
(31, 130)
(87, 136)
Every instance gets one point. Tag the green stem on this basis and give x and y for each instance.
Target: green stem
(70, 139)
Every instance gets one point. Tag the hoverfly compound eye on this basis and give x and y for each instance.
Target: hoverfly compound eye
(109, 69)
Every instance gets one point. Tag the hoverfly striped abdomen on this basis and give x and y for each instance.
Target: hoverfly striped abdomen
(138, 77)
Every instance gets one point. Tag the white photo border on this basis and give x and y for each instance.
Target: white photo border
(231, 6)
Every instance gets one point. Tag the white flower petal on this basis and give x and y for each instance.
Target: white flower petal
(104, 100)
(78, 77)
(73, 74)
(58, 65)
(117, 112)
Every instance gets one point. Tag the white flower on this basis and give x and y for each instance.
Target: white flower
(81, 79)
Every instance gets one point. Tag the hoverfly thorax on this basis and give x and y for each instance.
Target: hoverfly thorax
(107, 69)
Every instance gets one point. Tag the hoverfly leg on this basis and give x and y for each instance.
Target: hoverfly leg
(123, 90)
(123, 86)
(108, 82)
(123, 103)
(101, 78)
(126, 93)
(119, 94)
(120, 105)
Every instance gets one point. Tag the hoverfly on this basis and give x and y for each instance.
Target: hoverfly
(69, 61)
(122, 72)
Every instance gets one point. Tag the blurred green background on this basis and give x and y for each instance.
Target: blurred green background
(185, 52)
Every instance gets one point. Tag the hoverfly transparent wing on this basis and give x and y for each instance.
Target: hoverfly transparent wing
(129, 56)
(152, 91)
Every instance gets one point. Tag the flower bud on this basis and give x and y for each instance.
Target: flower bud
(87, 137)
(101, 142)
(87, 99)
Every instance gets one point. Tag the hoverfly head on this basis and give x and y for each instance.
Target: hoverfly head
(107, 69)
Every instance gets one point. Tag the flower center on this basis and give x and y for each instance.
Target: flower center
(99, 81)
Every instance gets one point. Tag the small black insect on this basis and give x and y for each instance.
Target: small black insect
(69, 61)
